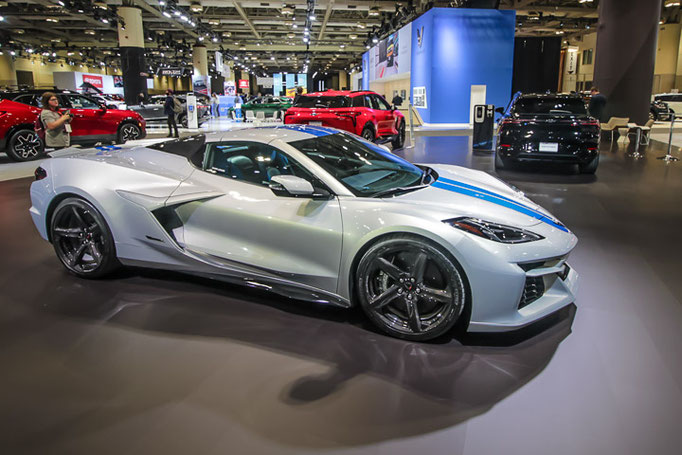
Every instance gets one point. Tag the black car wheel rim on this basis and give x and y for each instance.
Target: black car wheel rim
(77, 236)
(411, 290)
(402, 133)
(130, 132)
(368, 135)
(27, 145)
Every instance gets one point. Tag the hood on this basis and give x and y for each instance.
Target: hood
(469, 193)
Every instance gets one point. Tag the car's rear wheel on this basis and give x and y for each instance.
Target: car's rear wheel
(25, 145)
(128, 132)
(368, 133)
(399, 141)
(82, 239)
(410, 288)
(590, 167)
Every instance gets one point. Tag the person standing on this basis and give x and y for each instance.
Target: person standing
(299, 93)
(214, 105)
(169, 109)
(597, 104)
(57, 126)
(141, 98)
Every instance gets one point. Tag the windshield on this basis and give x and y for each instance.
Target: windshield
(322, 101)
(550, 106)
(364, 168)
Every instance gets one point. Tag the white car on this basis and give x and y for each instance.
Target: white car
(314, 213)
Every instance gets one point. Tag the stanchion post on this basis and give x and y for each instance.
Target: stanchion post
(411, 126)
(669, 156)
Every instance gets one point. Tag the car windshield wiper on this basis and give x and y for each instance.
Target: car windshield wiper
(398, 190)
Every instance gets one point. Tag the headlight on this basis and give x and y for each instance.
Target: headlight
(493, 231)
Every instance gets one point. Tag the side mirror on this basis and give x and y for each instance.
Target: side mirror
(500, 110)
(292, 186)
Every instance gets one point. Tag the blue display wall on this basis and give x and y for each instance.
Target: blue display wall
(455, 48)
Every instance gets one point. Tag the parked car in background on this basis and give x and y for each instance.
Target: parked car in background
(673, 100)
(109, 101)
(364, 113)
(92, 122)
(661, 106)
(269, 105)
(152, 111)
(549, 128)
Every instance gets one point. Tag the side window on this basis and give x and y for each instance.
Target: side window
(357, 101)
(369, 102)
(25, 99)
(381, 103)
(82, 102)
(251, 162)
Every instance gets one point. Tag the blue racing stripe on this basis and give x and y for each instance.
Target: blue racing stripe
(487, 196)
(316, 131)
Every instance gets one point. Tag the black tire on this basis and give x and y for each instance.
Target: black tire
(410, 288)
(499, 162)
(82, 239)
(128, 132)
(25, 145)
(182, 120)
(399, 141)
(368, 133)
(590, 167)
(652, 116)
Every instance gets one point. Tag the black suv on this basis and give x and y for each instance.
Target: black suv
(548, 127)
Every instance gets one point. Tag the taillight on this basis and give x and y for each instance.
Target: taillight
(40, 173)
(589, 123)
(509, 121)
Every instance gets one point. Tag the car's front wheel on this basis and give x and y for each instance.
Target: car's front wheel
(590, 167)
(410, 288)
(128, 132)
(82, 239)
(25, 145)
(399, 141)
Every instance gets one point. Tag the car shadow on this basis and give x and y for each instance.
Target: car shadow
(452, 379)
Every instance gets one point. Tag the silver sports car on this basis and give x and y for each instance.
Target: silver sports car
(316, 214)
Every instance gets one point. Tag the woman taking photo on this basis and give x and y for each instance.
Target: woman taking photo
(57, 127)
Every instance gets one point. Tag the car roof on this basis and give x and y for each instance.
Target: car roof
(550, 95)
(266, 134)
(341, 93)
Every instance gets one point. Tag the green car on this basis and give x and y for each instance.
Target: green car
(269, 105)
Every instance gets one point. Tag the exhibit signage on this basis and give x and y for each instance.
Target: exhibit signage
(243, 83)
(200, 84)
(219, 62)
(419, 97)
(96, 81)
(171, 72)
(265, 82)
(391, 56)
(571, 60)
(192, 121)
(229, 88)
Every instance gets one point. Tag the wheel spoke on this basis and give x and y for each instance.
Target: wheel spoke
(392, 270)
(78, 254)
(79, 217)
(420, 267)
(95, 253)
(439, 295)
(413, 316)
(384, 298)
(68, 232)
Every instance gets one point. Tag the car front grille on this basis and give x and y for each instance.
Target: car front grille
(533, 290)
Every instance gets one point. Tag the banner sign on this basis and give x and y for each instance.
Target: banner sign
(571, 60)
(265, 82)
(177, 72)
(243, 83)
(96, 81)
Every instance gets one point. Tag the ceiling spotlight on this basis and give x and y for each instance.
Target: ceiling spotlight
(353, 36)
(201, 38)
(375, 39)
(162, 3)
(215, 39)
(342, 46)
(89, 32)
(374, 11)
(272, 58)
(52, 19)
(177, 13)
(305, 39)
(306, 32)
(227, 34)
(195, 7)
(287, 10)
(167, 14)
(312, 16)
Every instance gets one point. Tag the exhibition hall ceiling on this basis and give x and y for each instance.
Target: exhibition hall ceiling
(270, 35)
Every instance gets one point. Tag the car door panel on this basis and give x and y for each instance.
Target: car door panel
(291, 238)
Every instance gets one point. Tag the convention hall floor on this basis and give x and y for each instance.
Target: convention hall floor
(153, 362)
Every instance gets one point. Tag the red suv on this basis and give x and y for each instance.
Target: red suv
(92, 123)
(364, 113)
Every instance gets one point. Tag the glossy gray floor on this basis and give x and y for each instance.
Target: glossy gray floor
(154, 362)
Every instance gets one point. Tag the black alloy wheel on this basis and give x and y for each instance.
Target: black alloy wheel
(25, 145)
(82, 239)
(399, 141)
(368, 133)
(129, 132)
(410, 288)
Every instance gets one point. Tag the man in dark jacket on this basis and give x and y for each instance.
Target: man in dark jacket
(169, 110)
(597, 104)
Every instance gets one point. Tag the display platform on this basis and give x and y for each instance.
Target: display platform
(157, 362)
